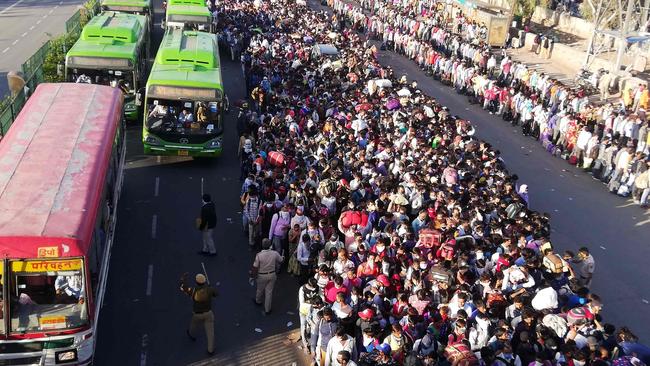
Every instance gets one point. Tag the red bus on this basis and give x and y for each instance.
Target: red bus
(60, 176)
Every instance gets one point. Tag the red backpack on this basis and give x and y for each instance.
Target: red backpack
(447, 250)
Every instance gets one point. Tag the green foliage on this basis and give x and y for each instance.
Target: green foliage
(59, 46)
(524, 8)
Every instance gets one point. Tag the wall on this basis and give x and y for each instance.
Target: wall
(563, 21)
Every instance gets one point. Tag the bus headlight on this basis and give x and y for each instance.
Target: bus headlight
(66, 356)
(151, 140)
(214, 144)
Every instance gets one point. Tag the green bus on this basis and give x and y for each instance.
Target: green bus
(189, 15)
(113, 50)
(184, 97)
(138, 7)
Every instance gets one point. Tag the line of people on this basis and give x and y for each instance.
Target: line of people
(413, 243)
(610, 141)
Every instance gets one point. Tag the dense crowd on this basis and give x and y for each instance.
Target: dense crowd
(611, 141)
(413, 243)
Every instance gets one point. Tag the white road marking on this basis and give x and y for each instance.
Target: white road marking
(44, 16)
(201, 186)
(56, 6)
(603, 248)
(14, 42)
(156, 187)
(570, 199)
(5, 50)
(60, 2)
(158, 159)
(39, 21)
(11, 6)
(149, 279)
(154, 223)
(51, 11)
(143, 353)
(24, 34)
(645, 301)
(32, 27)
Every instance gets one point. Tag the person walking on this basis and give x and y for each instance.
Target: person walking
(201, 296)
(207, 223)
(264, 270)
(251, 212)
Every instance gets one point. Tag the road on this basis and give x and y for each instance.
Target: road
(26, 26)
(144, 317)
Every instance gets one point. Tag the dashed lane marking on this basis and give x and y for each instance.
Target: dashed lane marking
(14, 42)
(603, 248)
(154, 223)
(149, 279)
(11, 6)
(156, 187)
(143, 353)
(32, 27)
(5, 50)
(24, 34)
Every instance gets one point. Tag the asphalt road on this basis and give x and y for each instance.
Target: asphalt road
(26, 26)
(144, 317)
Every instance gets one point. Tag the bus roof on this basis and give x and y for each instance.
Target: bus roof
(123, 4)
(184, 9)
(111, 35)
(180, 47)
(53, 164)
(187, 59)
(187, 2)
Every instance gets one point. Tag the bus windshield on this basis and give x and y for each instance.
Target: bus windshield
(114, 78)
(173, 117)
(47, 295)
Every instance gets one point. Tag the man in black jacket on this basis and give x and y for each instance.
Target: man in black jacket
(207, 224)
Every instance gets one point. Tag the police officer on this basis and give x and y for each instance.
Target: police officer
(201, 295)
(264, 269)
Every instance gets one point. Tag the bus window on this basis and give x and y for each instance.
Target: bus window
(47, 295)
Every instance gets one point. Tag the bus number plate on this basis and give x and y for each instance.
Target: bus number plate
(183, 152)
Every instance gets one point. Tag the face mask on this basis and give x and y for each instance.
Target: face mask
(380, 249)
(423, 266)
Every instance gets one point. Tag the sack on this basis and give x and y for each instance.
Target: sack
(392, 104)
(440, 274)
(513, 209)
(586, 163)
(460, 355)
(623, 190)
(324, 188)
(555, 263)
(195, 125)
(496, 300)
(573, 160)
(429, 238)
(578, 315)
(349, 218)
(557, 324)
(557, 151)
(276, 158)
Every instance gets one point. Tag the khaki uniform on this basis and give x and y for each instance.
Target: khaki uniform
(202, 312)
(266, 263)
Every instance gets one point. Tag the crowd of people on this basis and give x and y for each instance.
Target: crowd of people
(610, 141)
(413, 243)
